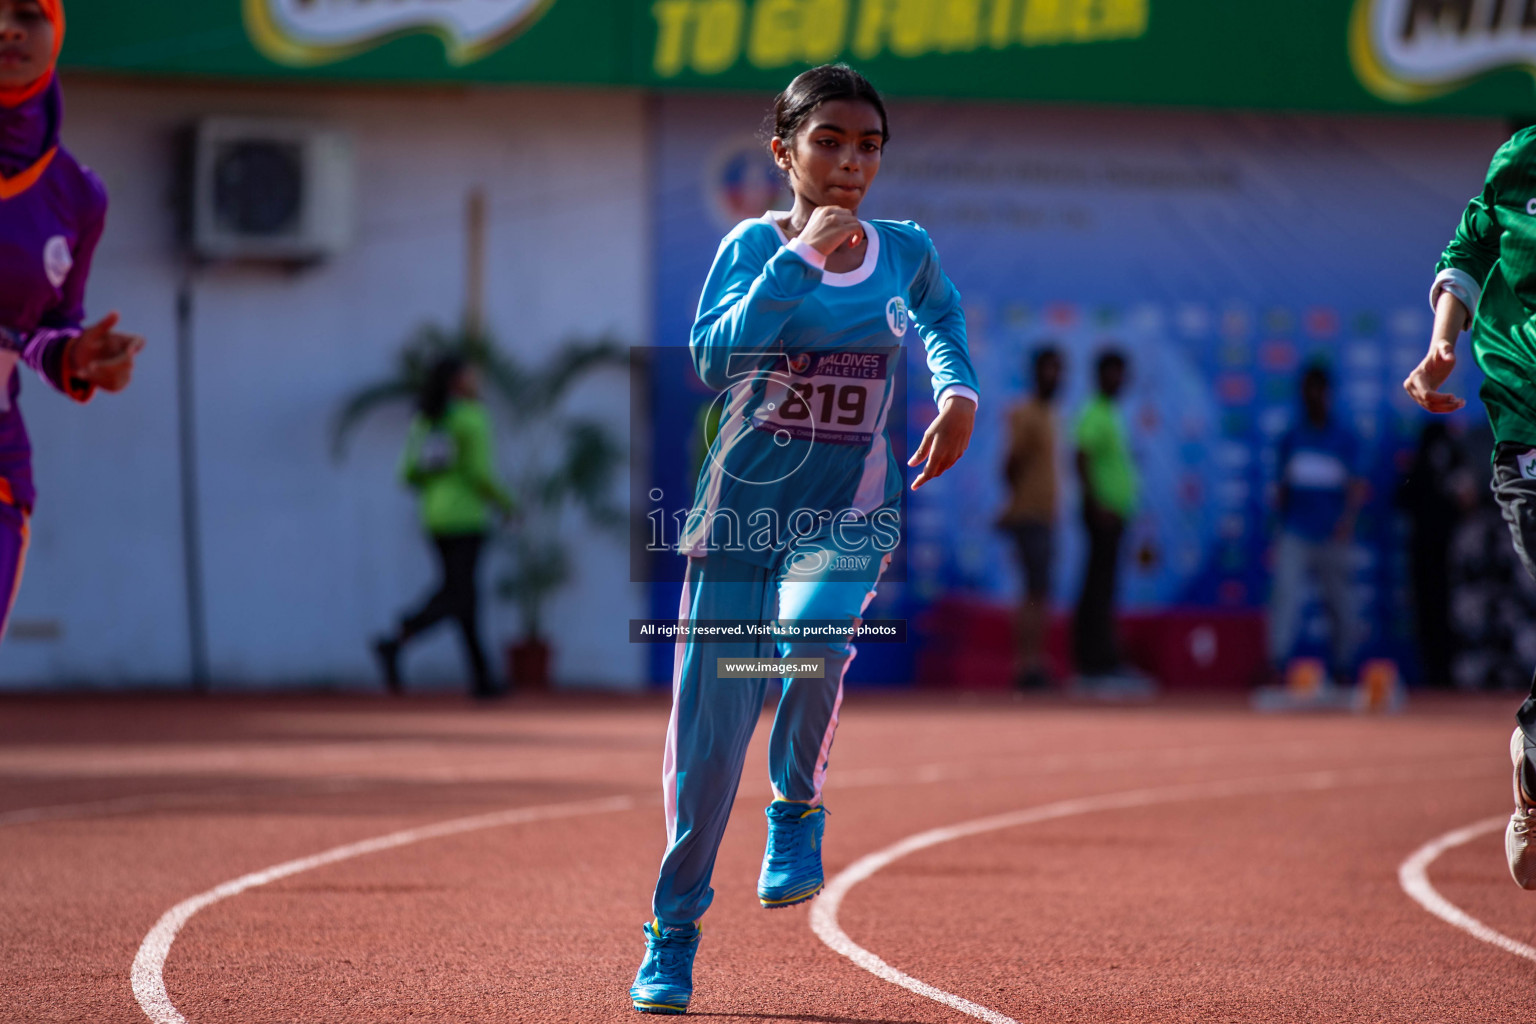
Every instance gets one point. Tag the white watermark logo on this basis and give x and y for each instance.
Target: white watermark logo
(1408, 51)
(308, 32)
(813, 539)
(748, 496)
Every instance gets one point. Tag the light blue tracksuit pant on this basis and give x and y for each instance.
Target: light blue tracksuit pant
(713, 717)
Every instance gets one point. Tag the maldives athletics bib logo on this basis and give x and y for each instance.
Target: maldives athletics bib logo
(308, 32)
(1408, 51)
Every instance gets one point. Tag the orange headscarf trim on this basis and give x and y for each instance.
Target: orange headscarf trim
(53, 10)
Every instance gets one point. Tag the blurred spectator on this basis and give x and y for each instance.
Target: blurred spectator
(1030, 518)
(1320, 494)
(1434, 494)
(1109, 485)
(448, 462)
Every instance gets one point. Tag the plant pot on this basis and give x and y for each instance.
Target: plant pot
(528, 665)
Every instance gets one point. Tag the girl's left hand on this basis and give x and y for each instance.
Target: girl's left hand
(103, 356)
(946, 439)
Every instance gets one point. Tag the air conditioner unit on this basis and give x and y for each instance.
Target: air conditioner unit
(268, 189)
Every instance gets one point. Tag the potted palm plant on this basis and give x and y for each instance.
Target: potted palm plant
(563, 463)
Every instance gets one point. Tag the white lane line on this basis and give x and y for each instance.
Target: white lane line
(327, 786)
(93, 808)
(1413, 876)
(149, 965)
(848, 779)
(1053, 764)
(824, 911)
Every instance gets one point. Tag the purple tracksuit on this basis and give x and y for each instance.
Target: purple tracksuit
(51, 215)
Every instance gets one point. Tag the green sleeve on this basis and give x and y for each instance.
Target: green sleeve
(476, 459)
(1475, 248)
(410, 469)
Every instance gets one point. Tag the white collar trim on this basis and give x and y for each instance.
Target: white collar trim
(852, 277)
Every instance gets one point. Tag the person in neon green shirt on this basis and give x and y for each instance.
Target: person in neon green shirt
(1110, 487)
(448, 462)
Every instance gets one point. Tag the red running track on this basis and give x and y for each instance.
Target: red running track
(1251, 874)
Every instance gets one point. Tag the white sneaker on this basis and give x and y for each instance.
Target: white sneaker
(1517, 837)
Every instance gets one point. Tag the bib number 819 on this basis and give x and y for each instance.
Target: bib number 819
(849, 399)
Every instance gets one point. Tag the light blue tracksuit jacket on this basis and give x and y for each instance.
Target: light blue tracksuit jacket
(797, 506)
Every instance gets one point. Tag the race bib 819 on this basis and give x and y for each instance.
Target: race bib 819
(831, 397)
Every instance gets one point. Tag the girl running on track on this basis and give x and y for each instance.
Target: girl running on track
(51, 215)
(1486, 280)
(800, 328)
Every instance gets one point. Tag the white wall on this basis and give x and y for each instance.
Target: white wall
(305, 559)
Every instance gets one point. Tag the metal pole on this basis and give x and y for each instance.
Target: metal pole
(474, 283)
(191, 526)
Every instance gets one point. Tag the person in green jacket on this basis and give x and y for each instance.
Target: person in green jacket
(1485, 282)
(448, 462)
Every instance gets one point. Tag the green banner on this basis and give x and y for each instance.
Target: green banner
(1369, 55)
(1441, 56)
(576, 41)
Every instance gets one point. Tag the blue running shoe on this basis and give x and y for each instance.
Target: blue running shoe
(664, 982)
(792, 862)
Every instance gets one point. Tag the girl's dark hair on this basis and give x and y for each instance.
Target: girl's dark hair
(1317, 371)
(438, 387)
(811, 89)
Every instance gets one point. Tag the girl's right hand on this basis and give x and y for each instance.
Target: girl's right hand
(830, 227)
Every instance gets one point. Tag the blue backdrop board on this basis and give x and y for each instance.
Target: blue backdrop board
(1221, 252)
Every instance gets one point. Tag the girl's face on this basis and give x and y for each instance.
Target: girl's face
(835, 155)
(26, 43)
(467, 383)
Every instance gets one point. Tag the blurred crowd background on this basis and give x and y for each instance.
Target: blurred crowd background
(309, 197)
